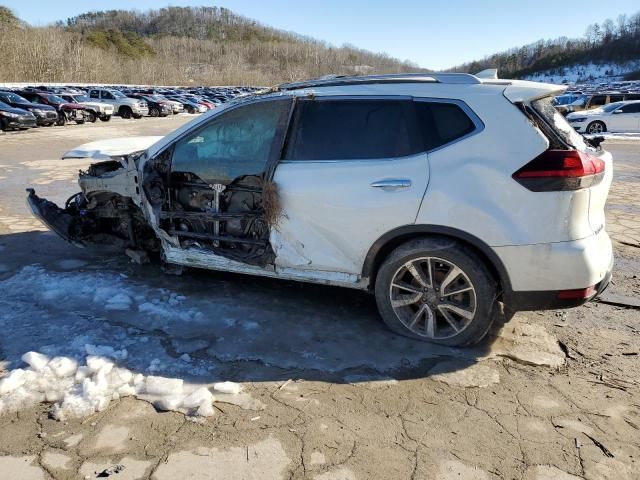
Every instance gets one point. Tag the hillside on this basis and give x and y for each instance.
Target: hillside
(607, 50)
(173, 46)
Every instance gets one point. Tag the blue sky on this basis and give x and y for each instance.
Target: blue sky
(433, 34)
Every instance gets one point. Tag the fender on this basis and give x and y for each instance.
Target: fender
(395, 237)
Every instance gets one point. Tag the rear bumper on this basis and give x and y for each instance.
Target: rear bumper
(538, 273)
(550, 300)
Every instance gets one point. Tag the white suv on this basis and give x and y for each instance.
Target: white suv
(441, 193)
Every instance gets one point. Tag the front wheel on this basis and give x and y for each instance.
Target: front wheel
(154, 112)
(91, 117)
(126, 112)
(62, 120)
(436, 290)
(596, 127)
(105, 118)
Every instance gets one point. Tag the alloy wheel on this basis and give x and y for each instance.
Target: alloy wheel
(433, 298)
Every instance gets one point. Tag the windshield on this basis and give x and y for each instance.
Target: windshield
(117, 94)
(544, 107)
(55, 99)
(4, 105)
(612, 106)
(12, 97)
(80, 98)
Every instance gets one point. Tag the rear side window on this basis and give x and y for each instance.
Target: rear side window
(94, 94)
(351, 129)
(558, 124)
(373, 129)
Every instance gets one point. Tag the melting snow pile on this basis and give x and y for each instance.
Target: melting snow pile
(80, 390)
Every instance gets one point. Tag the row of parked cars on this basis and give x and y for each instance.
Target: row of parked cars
(46, 106)
(599, 108)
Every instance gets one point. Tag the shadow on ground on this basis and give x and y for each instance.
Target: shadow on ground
(202, 326)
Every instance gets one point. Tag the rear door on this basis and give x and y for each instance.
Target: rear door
(353, 168)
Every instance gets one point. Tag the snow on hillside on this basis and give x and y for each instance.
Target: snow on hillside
(590, 72)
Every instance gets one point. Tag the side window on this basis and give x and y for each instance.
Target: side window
(107, 95)
(235, 143)
(598, 100)
(94, 94)
(351, 129)
(441, 123)
(631, 108)
(615, 98)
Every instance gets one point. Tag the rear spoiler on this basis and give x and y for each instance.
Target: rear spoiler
(524, 91)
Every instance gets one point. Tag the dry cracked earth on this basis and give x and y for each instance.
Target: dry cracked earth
(328, 393)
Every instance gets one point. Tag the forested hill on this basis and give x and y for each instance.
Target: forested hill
(174, 46)
(613, 44)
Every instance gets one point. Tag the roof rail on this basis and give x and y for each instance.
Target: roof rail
(341, 80)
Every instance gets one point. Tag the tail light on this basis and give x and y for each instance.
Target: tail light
(558, 170)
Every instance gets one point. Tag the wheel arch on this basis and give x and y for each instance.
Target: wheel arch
(382, 247)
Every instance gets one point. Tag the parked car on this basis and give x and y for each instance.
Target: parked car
(190, 106)
(158, 107)
(45, 115)
(94, 110)
(614, 117)
(123, 106)
(11, 118)
(67, 112)
(430, 190)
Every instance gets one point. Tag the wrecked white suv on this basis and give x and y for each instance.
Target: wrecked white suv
(441, 193)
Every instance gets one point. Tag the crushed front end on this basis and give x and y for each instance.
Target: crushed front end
(106, 211)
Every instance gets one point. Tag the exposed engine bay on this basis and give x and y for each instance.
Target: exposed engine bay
(179, 208)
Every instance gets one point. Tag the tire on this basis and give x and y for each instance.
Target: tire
(3, 125)
(91, 117)
(154, 112)
(470, 289)
(136, 116)
(50, 124)
(79, 122)
(105, 118)
(62, 120)
(126, 112)
(596, 127)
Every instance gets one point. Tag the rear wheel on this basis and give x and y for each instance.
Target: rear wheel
(154, 112)
(62, 119)
(436, 290)
(596, 127)
(91, 117)
(105, 118)
(3, 124)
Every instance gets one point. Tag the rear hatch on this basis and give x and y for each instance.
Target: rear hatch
(596, 158)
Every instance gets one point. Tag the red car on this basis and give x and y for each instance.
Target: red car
(67, 112)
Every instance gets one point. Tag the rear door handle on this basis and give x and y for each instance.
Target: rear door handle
(392, 184)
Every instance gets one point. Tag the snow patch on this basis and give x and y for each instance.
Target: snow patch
(80, 390)
(589, 72)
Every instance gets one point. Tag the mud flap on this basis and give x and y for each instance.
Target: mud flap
(55, 218)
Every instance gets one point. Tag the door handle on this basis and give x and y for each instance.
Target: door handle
(392, 184)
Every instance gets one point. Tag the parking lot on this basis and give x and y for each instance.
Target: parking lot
(328, 392)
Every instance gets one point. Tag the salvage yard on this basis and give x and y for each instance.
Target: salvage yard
(327, 392)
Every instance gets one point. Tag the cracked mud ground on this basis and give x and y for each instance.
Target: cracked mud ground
(329, 393)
